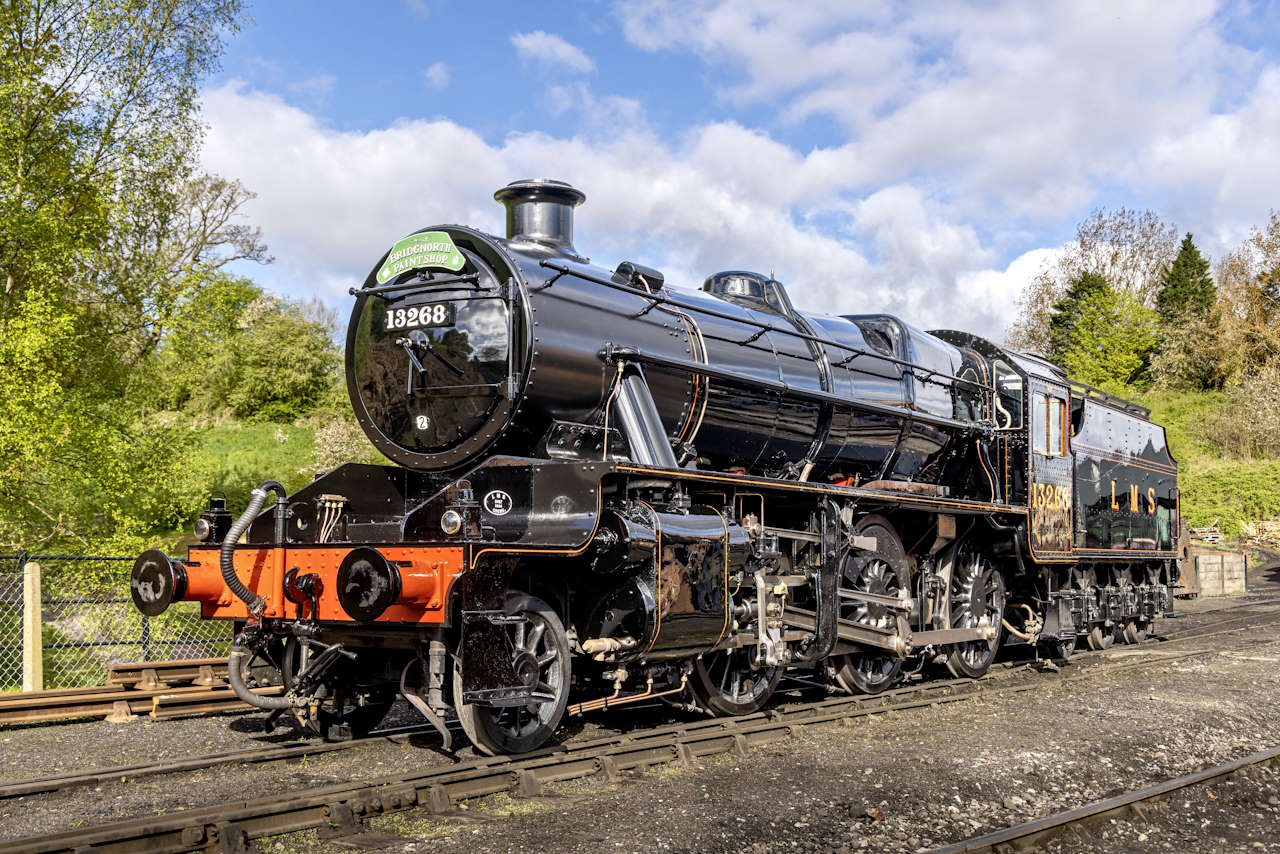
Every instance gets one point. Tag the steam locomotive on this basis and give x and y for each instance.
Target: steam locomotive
(609, 490)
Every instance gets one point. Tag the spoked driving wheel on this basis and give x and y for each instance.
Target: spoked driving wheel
(540, 657)
(976, 600)
(724, 683)
(883, 572)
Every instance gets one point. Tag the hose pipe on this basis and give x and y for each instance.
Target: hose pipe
(255, 603)
(235, 675)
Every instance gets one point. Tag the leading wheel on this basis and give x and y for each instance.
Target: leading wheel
(883, 572)
(976, 600)
(1059, 649)
(724, 683)
(540, 657)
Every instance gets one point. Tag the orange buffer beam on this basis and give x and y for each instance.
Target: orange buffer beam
(425, 575)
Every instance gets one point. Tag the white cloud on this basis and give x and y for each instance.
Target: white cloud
(966, 138)
(437, 75)
(722, 196)
(1016, 109)
(550, 49)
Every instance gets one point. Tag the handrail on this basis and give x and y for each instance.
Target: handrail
(612, 354)
(379, 290)
(661, 298)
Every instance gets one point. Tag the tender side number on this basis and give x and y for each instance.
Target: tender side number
(436, 314)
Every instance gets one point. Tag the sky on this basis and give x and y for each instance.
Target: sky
(921, 159)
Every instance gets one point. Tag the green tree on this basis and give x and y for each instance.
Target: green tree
(1187, 287)
(98, 134)
(1064, 315)
(1112, 339)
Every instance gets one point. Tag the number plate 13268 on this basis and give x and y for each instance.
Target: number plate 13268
(436, 314)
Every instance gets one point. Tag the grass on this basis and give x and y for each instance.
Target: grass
(1216, 487)
(234, 458)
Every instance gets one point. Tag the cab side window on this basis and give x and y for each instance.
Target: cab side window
(1040, 423)
(1049, 425)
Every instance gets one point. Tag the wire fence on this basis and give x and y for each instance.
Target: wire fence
(88, 622)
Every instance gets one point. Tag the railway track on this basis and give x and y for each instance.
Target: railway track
(1128, 805)
(297, 750)
(338, 810)
(159, 689)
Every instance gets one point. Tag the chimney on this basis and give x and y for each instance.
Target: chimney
(541, 211)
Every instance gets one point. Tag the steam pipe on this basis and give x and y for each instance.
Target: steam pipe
(255, 603)
(239, 652)
(640, 422)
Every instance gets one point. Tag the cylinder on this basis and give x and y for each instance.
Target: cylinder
(541, 211)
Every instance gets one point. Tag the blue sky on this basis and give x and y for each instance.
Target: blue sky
(921, 159)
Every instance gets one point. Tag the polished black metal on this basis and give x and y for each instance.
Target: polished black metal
(541, 211)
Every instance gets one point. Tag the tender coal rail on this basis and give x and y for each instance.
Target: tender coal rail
(1129, 805)
(338, 809)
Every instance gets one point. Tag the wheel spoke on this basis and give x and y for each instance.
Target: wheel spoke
(535, 636)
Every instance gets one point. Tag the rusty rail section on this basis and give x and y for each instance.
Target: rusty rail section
(338, 809)
(1129, 805)
(206, 672)
(161, 689)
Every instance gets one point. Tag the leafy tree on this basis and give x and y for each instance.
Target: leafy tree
(279, 367)
(1187, 287)
(1129, 249)
(98, 135)
(1065, 314)
(1249, 301)
(1111, 340)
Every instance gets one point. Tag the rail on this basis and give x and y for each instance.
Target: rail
(1022, 836)
(1085, 390)
(338, 810)
(612, 353)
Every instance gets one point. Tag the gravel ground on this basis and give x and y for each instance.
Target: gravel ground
(895, 783)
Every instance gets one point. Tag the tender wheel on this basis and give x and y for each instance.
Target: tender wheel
(885, 573)
(976, 599)
(1133, 630)
(541, 657)
(725, 684)
(1100, 635)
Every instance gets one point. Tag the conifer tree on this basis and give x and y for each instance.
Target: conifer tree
(1187, 287)
(1066, 310)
